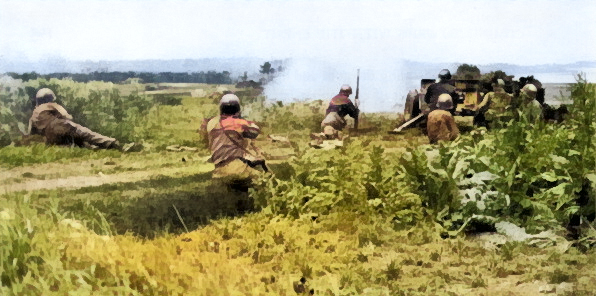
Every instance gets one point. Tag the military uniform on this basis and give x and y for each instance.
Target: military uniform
(435, 90)
(441, 126)
(531, 109)
(496, 107)
(229, 141)
(334, 121)
(54, 123)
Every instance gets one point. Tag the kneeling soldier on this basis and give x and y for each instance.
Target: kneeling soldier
(230, 140)
(339, 107)
(440, 124)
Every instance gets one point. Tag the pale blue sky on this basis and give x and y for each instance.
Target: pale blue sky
(520, 32)
(326, 40)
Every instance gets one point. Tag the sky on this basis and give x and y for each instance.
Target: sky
(335, 37)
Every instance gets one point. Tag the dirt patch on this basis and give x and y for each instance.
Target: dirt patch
(73, 182)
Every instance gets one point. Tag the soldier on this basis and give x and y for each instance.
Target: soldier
(441, 87)
(441, 124)
(52, 121)
(230, 140)
(339, 107)
(495, 107)
(529, 106)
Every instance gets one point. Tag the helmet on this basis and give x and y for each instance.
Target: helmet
(44, 95)
(530, 90)
(229, 99)
(445, 102)
(498, 84)
(445, 74)
(229, 104)
(345, 89)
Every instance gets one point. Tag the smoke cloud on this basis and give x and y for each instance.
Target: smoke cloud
(383, 85)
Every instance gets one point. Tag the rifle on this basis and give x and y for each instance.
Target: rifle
(357, 101)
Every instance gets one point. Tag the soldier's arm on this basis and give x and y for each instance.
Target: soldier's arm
(250, 130)
(203, 128)
(428, 95)
(452, 127)
(30, 128)
(351, 110)
(63, 112)
(484, 104)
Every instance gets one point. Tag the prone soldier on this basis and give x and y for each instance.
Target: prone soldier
(53, 122)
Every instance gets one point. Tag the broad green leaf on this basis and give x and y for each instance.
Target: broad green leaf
(559, 159)
(549, 176)
(573, 152)
(525, 203)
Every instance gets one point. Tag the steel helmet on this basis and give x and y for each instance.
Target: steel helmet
(346, 89)
(445, 74)
(445, 102)
(229, 99)
(229, 104)
(530, 90)
(44, 95)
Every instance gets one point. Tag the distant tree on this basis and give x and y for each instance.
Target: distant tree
(266, 68)
(280, 69)
(244, 77)
(465, 71)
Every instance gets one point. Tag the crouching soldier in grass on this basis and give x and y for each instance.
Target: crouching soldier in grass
(495, 109)
(229, 141)
(334, 121)
(53, 122)
(530, 108)
(441, 124)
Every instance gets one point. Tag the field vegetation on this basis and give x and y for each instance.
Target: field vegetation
(500, 212)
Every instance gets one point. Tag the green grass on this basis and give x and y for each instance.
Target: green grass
(40, 153)
(379, 236)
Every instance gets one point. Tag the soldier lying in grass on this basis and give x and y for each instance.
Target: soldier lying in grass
(53, 122)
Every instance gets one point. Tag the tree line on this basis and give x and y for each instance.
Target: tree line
(210, 77)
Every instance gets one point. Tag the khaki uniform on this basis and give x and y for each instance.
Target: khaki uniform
(531, 109)
(54, 123)
(441, 126)
(332, 124)
(496, 106)
(334, 121)
(229, 142)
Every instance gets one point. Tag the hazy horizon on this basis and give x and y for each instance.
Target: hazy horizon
(327, 40)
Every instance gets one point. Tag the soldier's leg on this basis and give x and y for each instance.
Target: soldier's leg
(58, 133)
(80, 132)
(236, 171)
(330, 132)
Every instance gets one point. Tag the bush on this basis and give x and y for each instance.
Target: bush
(354, 179)
(96, 105)
(535, 175)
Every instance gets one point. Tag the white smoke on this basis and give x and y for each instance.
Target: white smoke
(383, 83)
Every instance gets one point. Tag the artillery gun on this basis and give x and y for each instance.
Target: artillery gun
(470, 95)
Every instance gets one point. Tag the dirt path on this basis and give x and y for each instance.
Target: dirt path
(96, 172)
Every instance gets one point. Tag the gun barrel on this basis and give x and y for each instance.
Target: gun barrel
(357, 84)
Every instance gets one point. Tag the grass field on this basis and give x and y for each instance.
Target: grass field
(353, 221)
